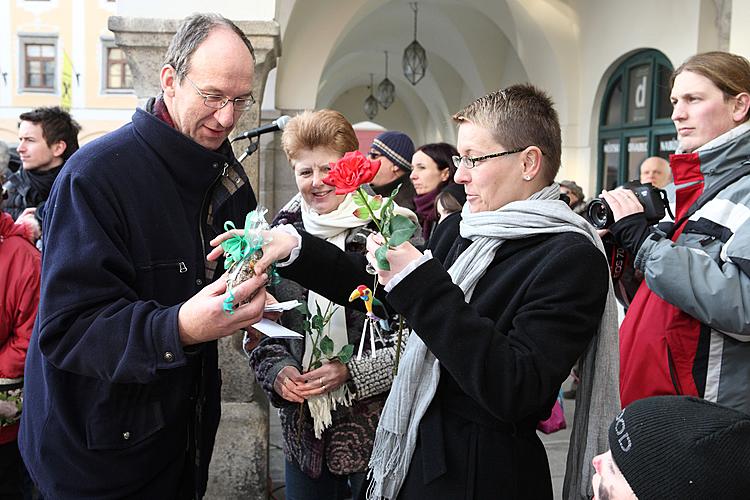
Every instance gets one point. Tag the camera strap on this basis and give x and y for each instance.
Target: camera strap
(709, 194)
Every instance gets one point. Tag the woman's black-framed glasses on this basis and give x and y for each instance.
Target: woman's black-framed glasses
(469, 162)
(219, 101)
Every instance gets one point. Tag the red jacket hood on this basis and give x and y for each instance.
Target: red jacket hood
(9, 228)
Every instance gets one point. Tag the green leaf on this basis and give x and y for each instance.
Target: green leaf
(401, 230)
(302, 308)
(395, 191)
(316, 353)
(345, 354)
(358, 198)
(382, 260)
(376, 202)
(316, 365)
(326, 346)
(317, 322)
(362, 213)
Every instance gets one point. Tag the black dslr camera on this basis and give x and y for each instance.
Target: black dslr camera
(653, 199)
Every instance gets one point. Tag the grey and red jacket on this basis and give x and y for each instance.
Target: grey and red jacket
(687, 330)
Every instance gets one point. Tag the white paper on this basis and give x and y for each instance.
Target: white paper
(282, 306)
(271, 329)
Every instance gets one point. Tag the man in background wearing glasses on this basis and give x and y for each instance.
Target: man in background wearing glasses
(122, 393)
(394, 150)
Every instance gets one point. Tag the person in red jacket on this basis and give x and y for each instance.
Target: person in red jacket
(20, 268)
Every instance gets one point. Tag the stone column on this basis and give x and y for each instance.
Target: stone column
(239, 467)
(277, 179)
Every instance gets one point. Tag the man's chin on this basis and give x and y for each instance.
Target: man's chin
(212, 143)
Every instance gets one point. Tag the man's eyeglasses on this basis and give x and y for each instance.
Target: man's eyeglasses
(373, 155)
(469, 162)
(219, 101)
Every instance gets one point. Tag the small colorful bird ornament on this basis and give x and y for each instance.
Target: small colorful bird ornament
(371, 325)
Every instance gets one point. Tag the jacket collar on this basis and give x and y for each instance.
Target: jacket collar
(714, 159)
(192, 166)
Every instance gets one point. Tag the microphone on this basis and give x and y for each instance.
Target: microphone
(278, 124)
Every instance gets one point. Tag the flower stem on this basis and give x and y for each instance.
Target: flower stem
(399, 338)
(364, 197)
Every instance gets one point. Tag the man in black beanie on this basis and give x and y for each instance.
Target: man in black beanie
(394, 150)
(675, 447)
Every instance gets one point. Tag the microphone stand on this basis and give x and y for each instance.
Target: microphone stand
(252, 147)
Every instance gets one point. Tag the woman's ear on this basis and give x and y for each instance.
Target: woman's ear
(445, 174)
(741, 107)
(531, 159)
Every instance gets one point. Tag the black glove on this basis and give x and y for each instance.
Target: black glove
(631, 231)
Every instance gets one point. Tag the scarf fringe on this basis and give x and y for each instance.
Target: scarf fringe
(321, 407)
(384, 461)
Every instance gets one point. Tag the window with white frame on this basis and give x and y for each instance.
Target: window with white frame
(38, 63)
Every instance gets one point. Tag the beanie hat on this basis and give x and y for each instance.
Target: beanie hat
(573, 188)
(397, 147)
(683, 448)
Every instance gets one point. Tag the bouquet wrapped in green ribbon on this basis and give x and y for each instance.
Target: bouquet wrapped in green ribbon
(243, 251)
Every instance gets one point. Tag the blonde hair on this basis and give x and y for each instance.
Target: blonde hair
(323, 128)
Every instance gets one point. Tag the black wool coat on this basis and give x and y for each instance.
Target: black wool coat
(503, 356)
(114, 406)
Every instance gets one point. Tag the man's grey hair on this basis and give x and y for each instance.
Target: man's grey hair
(192, 32)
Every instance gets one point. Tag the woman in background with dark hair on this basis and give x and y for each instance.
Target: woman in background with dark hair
(448, 205)
(432, 170)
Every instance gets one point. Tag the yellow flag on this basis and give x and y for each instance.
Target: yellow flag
(66, 96)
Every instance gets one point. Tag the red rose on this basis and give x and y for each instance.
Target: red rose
(351, 171)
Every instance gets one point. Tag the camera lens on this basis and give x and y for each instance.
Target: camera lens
(599, 213)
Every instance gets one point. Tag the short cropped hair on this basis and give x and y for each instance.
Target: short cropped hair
(192, 32)
(518, 117)
(57, 125)
(729, 72)
(442, 154)
(324, 128)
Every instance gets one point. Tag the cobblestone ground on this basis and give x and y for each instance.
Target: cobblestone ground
(556, 445)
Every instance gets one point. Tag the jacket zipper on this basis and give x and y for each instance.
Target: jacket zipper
(203, 206)
(673, 372)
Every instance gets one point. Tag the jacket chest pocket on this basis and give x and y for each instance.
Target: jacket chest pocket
(167, 281)
(117, 430)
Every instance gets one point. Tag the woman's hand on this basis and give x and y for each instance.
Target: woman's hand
(325, 379)
(623, 202)
(287, 384)
(398, 258)
(279, 246)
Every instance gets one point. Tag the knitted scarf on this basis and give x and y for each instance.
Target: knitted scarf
(424, 205)
(419, 370)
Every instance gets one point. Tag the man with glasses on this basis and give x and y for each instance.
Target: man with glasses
(122, 394)
(394, 150)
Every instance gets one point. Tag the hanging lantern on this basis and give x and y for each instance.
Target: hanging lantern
(415, 58)
(386, 92)
(371, 104)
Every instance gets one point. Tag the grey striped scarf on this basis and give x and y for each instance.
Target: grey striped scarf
(419, 370)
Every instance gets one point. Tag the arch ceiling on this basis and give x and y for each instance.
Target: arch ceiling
(473, 47)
